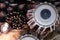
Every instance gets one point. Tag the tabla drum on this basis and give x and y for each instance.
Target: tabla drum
(45, 15)
(28, 37)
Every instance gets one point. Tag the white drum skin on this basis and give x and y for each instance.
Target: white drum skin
(28, 37)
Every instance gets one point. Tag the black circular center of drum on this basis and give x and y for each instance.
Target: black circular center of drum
(45, 14)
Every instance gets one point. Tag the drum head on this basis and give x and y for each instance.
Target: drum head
(28, 37)
(45, 14)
